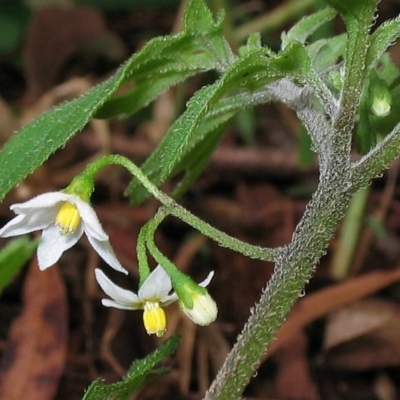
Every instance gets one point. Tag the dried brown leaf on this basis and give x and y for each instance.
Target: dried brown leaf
(54, 35)
(358, 319)
(364, 335)
(325, 301)
(34, 356)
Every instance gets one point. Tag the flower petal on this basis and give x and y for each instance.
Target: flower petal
(25, 223)
(106, 252)
(207, 281)
(112, 303)
(90, 221)
(45, 200)
(123, 297)
(157, 286)
(53, 245)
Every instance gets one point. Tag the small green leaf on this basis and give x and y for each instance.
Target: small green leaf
(13, 257)
(198, 17)
(384, 36)
(325, 53)
(303, 29)
(138, 373)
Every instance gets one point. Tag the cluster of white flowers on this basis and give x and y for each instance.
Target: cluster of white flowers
(63, 218)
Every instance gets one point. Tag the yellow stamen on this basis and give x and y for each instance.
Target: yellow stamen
(68, 218)
(154, 318)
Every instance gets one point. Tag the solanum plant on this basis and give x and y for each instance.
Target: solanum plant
(342, 88)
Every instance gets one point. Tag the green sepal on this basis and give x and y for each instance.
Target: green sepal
(82, 185)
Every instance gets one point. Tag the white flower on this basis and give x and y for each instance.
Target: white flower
(63, 218)
(154, 294)
(204, 309)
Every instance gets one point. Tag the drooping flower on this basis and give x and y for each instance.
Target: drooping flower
(196, 302)
(63, 217)
(154, 294)
(204, 309)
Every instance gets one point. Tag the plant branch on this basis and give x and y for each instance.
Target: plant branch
(295, 265)
(180, 212)
(378, 159)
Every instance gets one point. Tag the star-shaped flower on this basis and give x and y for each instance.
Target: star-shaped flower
(153, 295)
(64, 218)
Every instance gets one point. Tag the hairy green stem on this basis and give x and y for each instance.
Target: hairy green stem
(141, 251)
(377, 159)
(295, 265)
(180, 212)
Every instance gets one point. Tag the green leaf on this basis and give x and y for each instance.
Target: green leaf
(13, 257)
(167, 61)
(294, 61)
(384, 36)
(146, 90)
(34, 143)
(138, 373)
(174, 58)
(325, 53)
(247, 74)
(196, 160)
(303, 29)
